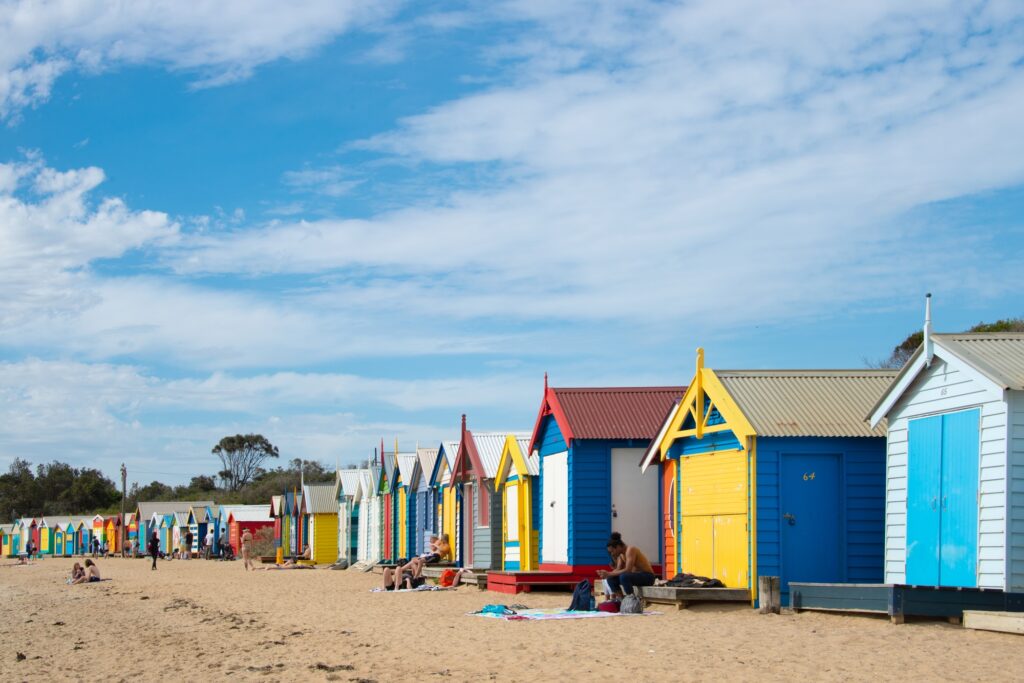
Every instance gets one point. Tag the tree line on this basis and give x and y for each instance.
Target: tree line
(60, 489)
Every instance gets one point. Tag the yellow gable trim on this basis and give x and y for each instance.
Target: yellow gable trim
(705, 383)
(511, 454)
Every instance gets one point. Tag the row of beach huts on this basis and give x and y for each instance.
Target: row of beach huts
(171, 521)
(871, 490)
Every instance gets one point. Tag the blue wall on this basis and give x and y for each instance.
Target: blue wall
(862, 504)
(590, 492)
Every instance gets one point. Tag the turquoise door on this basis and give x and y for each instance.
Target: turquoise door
(942, 503)
(811, 519)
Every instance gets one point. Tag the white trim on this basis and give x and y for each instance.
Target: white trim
(654, 448)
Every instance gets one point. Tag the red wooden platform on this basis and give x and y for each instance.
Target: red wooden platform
(524, 582)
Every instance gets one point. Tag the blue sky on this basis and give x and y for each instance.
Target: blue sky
(339, 222)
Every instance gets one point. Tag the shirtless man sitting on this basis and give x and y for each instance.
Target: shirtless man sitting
(634, 570)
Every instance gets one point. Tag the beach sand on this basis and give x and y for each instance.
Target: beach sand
(197, 620)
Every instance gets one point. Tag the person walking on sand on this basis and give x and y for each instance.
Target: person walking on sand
(247, 550)
(209, 543)
(188, 545)
(154, 548)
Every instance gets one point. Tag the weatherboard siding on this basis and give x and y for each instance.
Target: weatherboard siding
(1015, 442)
(590, 495)
(948, 387)
(487, 541)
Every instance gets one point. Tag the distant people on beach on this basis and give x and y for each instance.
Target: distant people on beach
(209, 544)
(247, 550)
(188, 545)
(154, 548)
(439, 549)
(91, 573)
(95, 547)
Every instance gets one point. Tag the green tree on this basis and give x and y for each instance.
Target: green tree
(242, 457)
(902, 352)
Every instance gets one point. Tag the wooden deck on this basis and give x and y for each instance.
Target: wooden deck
(682, 597)
(514, 582)
(1003, 622)
(899, 601)
(477, 578)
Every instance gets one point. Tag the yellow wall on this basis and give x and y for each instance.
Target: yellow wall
(402, 528)
(713, 520)
(44, 539)
(449, 516)
(324, 548)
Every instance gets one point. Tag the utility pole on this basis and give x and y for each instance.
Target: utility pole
(124, 479)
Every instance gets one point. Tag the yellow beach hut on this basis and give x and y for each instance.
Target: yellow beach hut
(6, 539)
(320, 513)
(516, 479)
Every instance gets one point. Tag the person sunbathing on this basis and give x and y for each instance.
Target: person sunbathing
(439, 550)
(396, 580)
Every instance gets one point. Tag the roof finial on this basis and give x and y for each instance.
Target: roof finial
(545, 382)
(463, 424)
(929, 350)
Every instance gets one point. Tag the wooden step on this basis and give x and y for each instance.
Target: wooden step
(1004, 622)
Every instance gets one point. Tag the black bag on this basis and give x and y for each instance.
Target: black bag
(581, 597)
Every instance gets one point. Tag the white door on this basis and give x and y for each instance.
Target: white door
(556, 508)
(634, 501)
(512, 522)
(343, 542)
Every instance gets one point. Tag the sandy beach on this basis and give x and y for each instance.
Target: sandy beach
(192, 620)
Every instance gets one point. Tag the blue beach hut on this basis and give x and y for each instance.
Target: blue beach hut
(778, 475)
(425, 516)
(590, 442)
(955, 476)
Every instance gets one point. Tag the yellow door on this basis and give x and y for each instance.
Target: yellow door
(403, 532)
(44, 541)
(713, 517)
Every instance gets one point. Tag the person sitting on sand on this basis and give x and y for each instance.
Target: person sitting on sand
(440, 550)
(406, 582)
(635, 571)
(76, 573)
(91, 575)
(307, 554)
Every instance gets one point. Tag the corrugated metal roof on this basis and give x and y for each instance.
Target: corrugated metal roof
(370, 477)
(319, 499)
(427, 458)
(275, 505)
(54, 522)
(997, 355)
(7, 528)
(181, 518)
(201, 513)
(146, 510)
(489, 446)
(406, 464)
(807, 402)
(250, 513)
(616, 413)
(532, 460)
(349, 481)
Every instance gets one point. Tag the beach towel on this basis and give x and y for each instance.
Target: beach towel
(418, 589)
(553, 614)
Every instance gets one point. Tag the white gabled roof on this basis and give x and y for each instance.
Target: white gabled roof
(997, 356)
(350, 481)
(250, 513)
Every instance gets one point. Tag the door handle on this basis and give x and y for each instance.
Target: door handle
(791, 518)
(944, 502)
(935, 503)
(614, 511)
(551, 504)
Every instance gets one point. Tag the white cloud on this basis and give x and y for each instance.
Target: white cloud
(101, 414)
(50, 232)
(219, 41)
(765, 158)
(331, 181)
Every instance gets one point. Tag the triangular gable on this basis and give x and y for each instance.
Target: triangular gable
(512, 459)
(441, 466)
(467, 461)
(549, 405)
(706, 409)
(383, 483)
(913, 369)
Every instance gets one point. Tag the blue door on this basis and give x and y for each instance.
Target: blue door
(958, 528)
(942, 503)
(924, 483)
(811, 519)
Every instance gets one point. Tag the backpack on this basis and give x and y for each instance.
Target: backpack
(581, 598)
(609, 606)
(631, 605)
(447, 578)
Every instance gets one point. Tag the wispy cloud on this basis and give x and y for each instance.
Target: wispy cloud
(218, 42)
(330, 181)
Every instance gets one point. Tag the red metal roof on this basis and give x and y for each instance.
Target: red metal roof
(608, 412)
